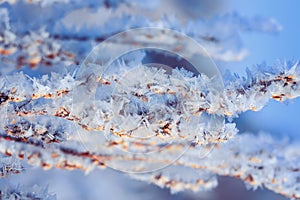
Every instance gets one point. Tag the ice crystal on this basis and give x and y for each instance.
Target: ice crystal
(26, 193)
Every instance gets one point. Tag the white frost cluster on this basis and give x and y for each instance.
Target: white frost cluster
(26, 193)
(10, 165)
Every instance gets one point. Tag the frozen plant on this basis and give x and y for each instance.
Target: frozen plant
(48, 111)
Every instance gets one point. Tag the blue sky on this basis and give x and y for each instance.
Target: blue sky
(270, 48)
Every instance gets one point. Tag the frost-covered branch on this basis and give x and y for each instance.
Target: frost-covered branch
(29, 126)
(266, 162)
(257, 160)
(56, 96)
(261, 84)
(240, 94)
(63, 41)
(103, 120)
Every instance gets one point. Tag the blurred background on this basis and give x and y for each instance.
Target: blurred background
(237, 34)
